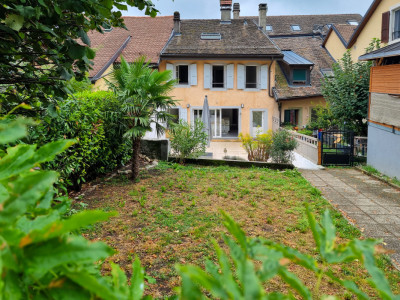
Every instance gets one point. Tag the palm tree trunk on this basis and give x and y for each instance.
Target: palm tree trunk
(135, 157)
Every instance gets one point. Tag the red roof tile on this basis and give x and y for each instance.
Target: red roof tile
(148, 37)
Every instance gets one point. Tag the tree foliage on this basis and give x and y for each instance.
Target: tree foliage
(44, 43)
(143, 93)
(347, 92)
(41, 257)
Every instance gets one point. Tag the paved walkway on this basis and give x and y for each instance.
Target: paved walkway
(373, 206)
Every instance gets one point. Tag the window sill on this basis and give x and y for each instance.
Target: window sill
(183, 86)
(218, 89)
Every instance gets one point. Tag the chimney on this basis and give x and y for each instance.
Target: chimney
(262, 15)
(226, 8)
(236, 11)
(177, 22)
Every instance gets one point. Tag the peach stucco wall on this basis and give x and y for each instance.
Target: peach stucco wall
(304, 106)
(194, 95)
(335, 46)
(372, 29)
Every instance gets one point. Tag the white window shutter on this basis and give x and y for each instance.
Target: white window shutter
(207, 76)
(240, 77)
(193, 74)
(182, 114)
(264, 77)
(170, 67)
(230, 69)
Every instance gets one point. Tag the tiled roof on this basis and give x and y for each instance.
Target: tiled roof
(281, 25)
(345, 30)
(239, 38)
(309, 48)
(148, 37)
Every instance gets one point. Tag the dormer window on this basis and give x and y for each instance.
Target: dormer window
(295, 27)
(269, 28)
(299, 76)
(352, 22)
(296, 68)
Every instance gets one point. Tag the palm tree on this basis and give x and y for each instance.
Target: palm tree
(143, 93)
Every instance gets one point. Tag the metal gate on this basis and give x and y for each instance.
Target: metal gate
(337, 148)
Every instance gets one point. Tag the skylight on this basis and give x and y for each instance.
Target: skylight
(352, 22)
(210, 36)
(296, 27)
(269, 28)
(327, 72)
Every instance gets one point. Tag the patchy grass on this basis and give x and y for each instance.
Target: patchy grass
(373, 171)
(172, 214)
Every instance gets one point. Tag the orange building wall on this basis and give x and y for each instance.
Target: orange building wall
(194, 95)
(304, 106)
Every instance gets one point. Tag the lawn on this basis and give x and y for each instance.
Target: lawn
(172, 214)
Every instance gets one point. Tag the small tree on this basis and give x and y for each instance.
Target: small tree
(283, 144)
(324, 118)
(188, 141)
(143, 93)
(347, 92)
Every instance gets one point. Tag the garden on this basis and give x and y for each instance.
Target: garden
(174, 231)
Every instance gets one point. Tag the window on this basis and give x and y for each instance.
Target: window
(210, 36)
(299, 76)
(251, 77)
(269, 28)
(218, 80)
(352, 22)
(396, 24)
(295, 27)
(292, 117)
(327, 72)
(182, 74)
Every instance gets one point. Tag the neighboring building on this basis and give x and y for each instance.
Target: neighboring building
(144, 36)
(305, 63)
(381, 21)
(337, 39)
(232, 62)
(384, 110)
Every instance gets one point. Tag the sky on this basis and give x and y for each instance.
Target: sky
(209, 9)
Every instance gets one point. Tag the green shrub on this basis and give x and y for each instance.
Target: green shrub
(306, 132)
(40, 257)
(283, 144)
(259, 147)
(244, 270)
(94, 119)
(188, 141)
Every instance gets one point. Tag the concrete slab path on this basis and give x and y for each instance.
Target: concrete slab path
(372, 205)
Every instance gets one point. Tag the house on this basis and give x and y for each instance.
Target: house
(231, 61)
(305, 62)
(381, 21)
(144, 36)
(338, 38)
(384, 110)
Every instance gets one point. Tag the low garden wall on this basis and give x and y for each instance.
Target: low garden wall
(233, 163)
(155, 148)
(308, 146)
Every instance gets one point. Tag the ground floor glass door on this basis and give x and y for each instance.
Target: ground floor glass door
(224, 122)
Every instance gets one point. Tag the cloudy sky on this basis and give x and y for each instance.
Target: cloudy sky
(202, 9)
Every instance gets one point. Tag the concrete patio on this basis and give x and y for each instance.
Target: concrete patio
(370, 204)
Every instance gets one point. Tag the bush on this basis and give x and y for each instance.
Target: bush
(188, 141)
(94, 119)
(259, 147)
(41, 257)
(283, 144)
(245, 269)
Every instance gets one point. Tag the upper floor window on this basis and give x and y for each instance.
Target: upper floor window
(182, 74)
(299, 76)
(251, 77)
(218, 76)
(295, 27)
(352, 22)
(269, 28)
(396, 24)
